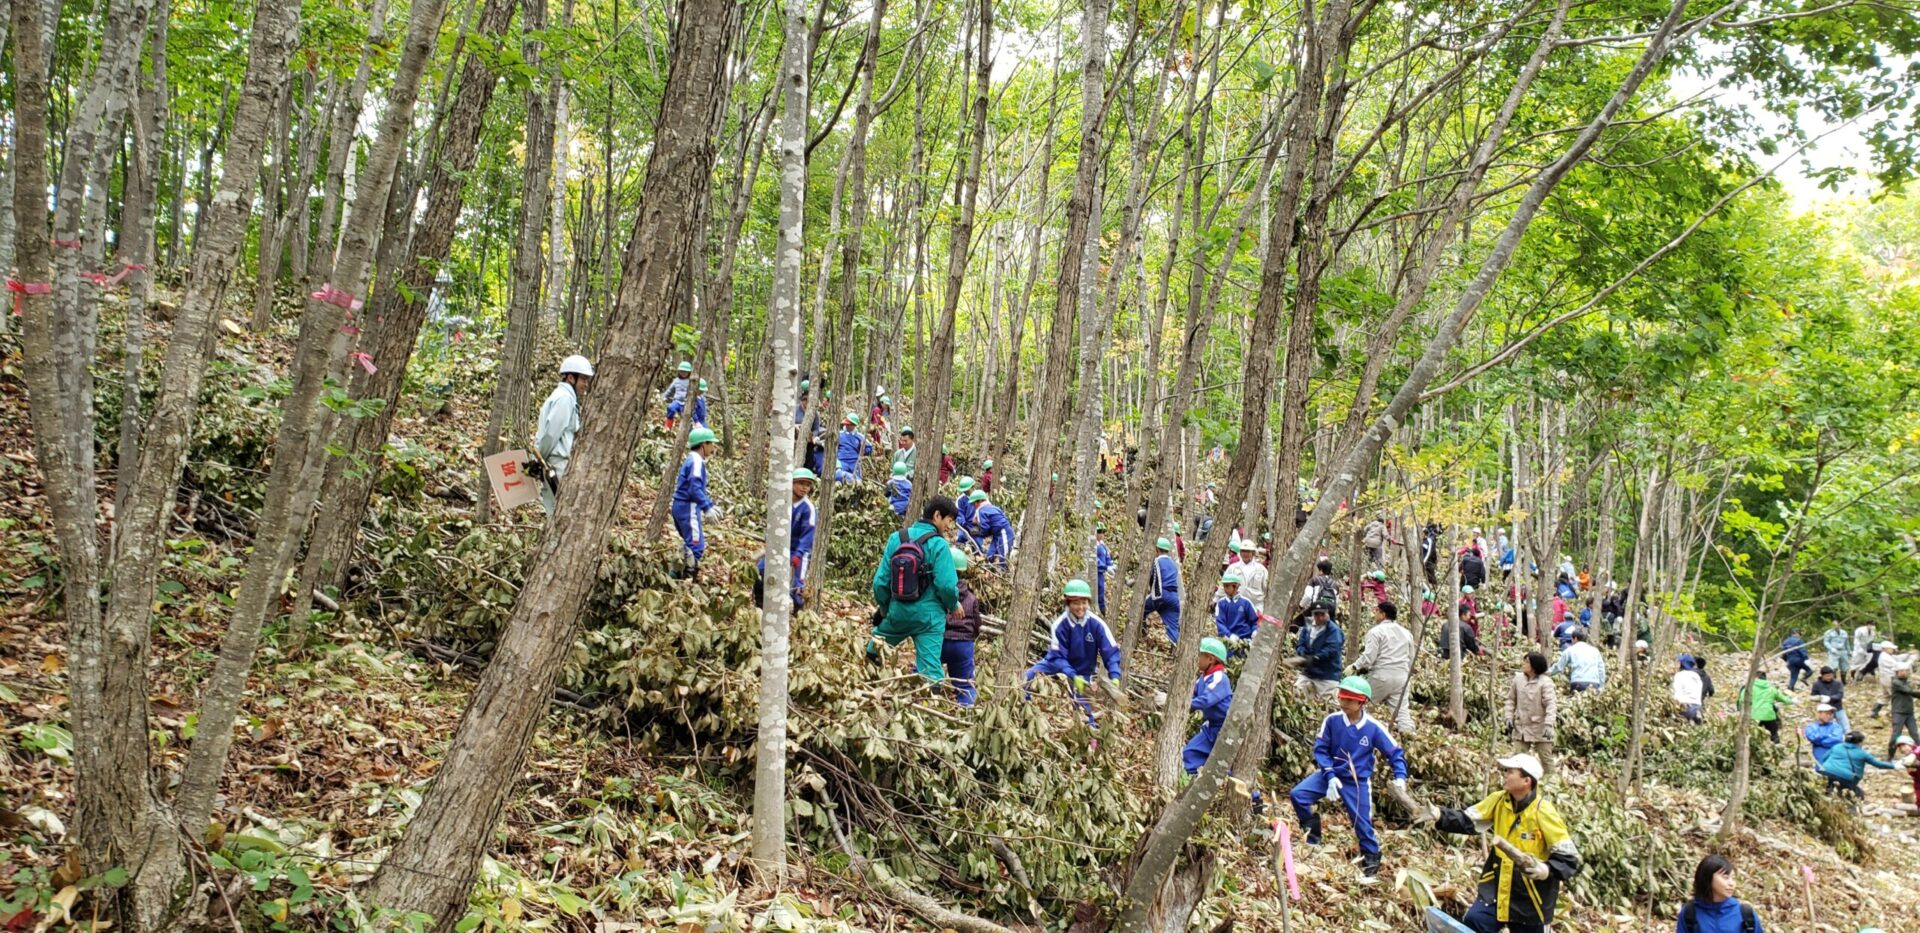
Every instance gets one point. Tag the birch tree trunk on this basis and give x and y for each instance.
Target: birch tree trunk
(783, 340)
(340, 143)
(137, 250)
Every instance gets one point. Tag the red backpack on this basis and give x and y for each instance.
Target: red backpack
(912, 573)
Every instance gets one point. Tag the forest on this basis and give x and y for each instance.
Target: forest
(728, 465)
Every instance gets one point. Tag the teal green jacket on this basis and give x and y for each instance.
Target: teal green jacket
(929, 614)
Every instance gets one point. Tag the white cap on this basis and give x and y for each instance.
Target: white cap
(1640, 643)
(1824, 708)
(576, 365)
(1524, 762)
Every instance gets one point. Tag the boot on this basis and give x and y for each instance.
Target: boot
(1370, 868)
(1311, 826)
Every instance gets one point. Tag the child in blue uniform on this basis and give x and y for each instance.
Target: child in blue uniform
(1233, 613)
(675, 407)
(853, 446)
(991, 531)
(1212, 695)
(1163, 590)
(799, 538)
(900, 488)
(692, 507)
(1079, 641)
(1344, 752)
(1102, 562)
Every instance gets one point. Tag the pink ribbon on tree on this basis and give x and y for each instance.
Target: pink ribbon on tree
(126, 269)
(366, 361)
(337, 298)
(22, 289)
(97, 278)
(67, 244)
(1285, 835)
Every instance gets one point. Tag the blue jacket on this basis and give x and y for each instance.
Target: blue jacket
(1164, 584)
(853, 446)
(1081, 644)
(1323, 653)
(1235, 616)
(1212, 694)
(1849, 762)
(1346, 749)
(900, 493)
(1794, 650)
(801, 541)
(690, 486)
(1102, 558)
(1824, 737)
(1722, 917)
(992, 530)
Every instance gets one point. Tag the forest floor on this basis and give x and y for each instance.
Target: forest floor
(601, 834)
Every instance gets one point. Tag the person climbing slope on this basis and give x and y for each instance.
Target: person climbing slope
(1824, 733)
(799, 538)
(1102, 564)
(1765, 707)
(1163, 590)
(1212, 695)
(559, 422)
(1078, 643)
(1519, 896)
(692, 507)
(1387, 662)
(1688, 690)
(1343, 753)
(852, 446)
(915, 588)
(1847, 763)
(991, 531)
(1793, 650)
(1317, 650)
(963, 629)
(699, 407)
(900, 488)
(1233, 614)
(676, 391)
(1533, 709)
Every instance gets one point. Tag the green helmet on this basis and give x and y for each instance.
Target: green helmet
(1099, 528)
(802, 473)
(1077, 589)
(906, 432)
(965, 484)
(987, 464)
(1379, 575)
(703, 385)
(806, 384)
(959, 560)
(1357, 685)
(1232, 578)
(979, 495)
(1233, 544)
(851, 418)
(900, 469)
(686, 367)
(1055, 479)
(1163, 544)
(885, 400)
(1466, 588)
(699, 436)
(1215, 647)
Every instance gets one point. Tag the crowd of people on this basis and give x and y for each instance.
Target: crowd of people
(922, 596)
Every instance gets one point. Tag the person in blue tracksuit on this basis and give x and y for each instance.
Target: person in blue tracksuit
(674, 408)
(1079, 640)
(1343, 754)
(1319, 646)
(964, 499)
(1794, 651)
(1102, 563)
(853, 446)
(1212, 695)
(676, 391)
(1233, 614)
(1163, 590)
(991, 530)
(900, 488)
(799, 538)
(692, 507)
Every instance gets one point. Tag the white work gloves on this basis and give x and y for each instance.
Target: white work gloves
(1537, 870)
(712, 513)
(1400, 784)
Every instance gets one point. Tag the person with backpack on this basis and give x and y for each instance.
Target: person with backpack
(963, 629)
(991, 531)
(1765, 705)
(1163, 590)
(915, 588)
(1713, 908)
(1847, 763)
(559, 422)
(1318, 649)
(1343, 755)
(900, 488)
(1519, 896)
(1078, 643)
(1473, 568)
(1212, 696)
(1233, 614)
(1793, 650)
(1322, 592)
(692, 507)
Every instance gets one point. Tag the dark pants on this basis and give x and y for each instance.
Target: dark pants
(1903, 724)
(1844, 788)
(957, 657)
(1794, 670)
(1484, 917)
(1773, 729)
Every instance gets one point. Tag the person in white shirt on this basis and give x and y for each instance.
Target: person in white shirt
(559, 422)
(1688, 691)
(1387, 662)
(1253, 574)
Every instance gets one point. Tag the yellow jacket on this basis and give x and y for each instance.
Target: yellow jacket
(1532, 826)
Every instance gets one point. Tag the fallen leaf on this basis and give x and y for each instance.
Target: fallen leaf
(52, 664)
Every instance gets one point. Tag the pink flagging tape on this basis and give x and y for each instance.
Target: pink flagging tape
(67, 244)
(336, 297)
(366, 361)
(21, 289)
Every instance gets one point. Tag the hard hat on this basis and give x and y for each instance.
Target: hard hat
(851, 418)
(1356, 688)
(576, 365)
(802, 473)
(1099, 527)
(885, 400)
(900, 469)
(906, 432)
(1379, 575)
(703, 385)
(699, 436)
(1077, 589)
(1232, 578)
(979, 495)
(1466, 589)
(959, 560)
(965, 484)
(1640, 644)
(686, 367)
(806, 384)
(1234, 545)
(1163, 544)
(1215, 647)
(987, 464)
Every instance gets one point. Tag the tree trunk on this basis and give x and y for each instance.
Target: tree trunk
(137, 250)
(1177, 822)
(432, 867)
(783, 340)
(340, 144)
(320, 355)
(512, 388)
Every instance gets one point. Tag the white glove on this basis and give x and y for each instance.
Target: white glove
(1333, 786)
(1400, 784)
(711, 514)
(1538, 870)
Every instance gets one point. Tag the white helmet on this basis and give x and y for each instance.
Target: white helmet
(576, 365)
